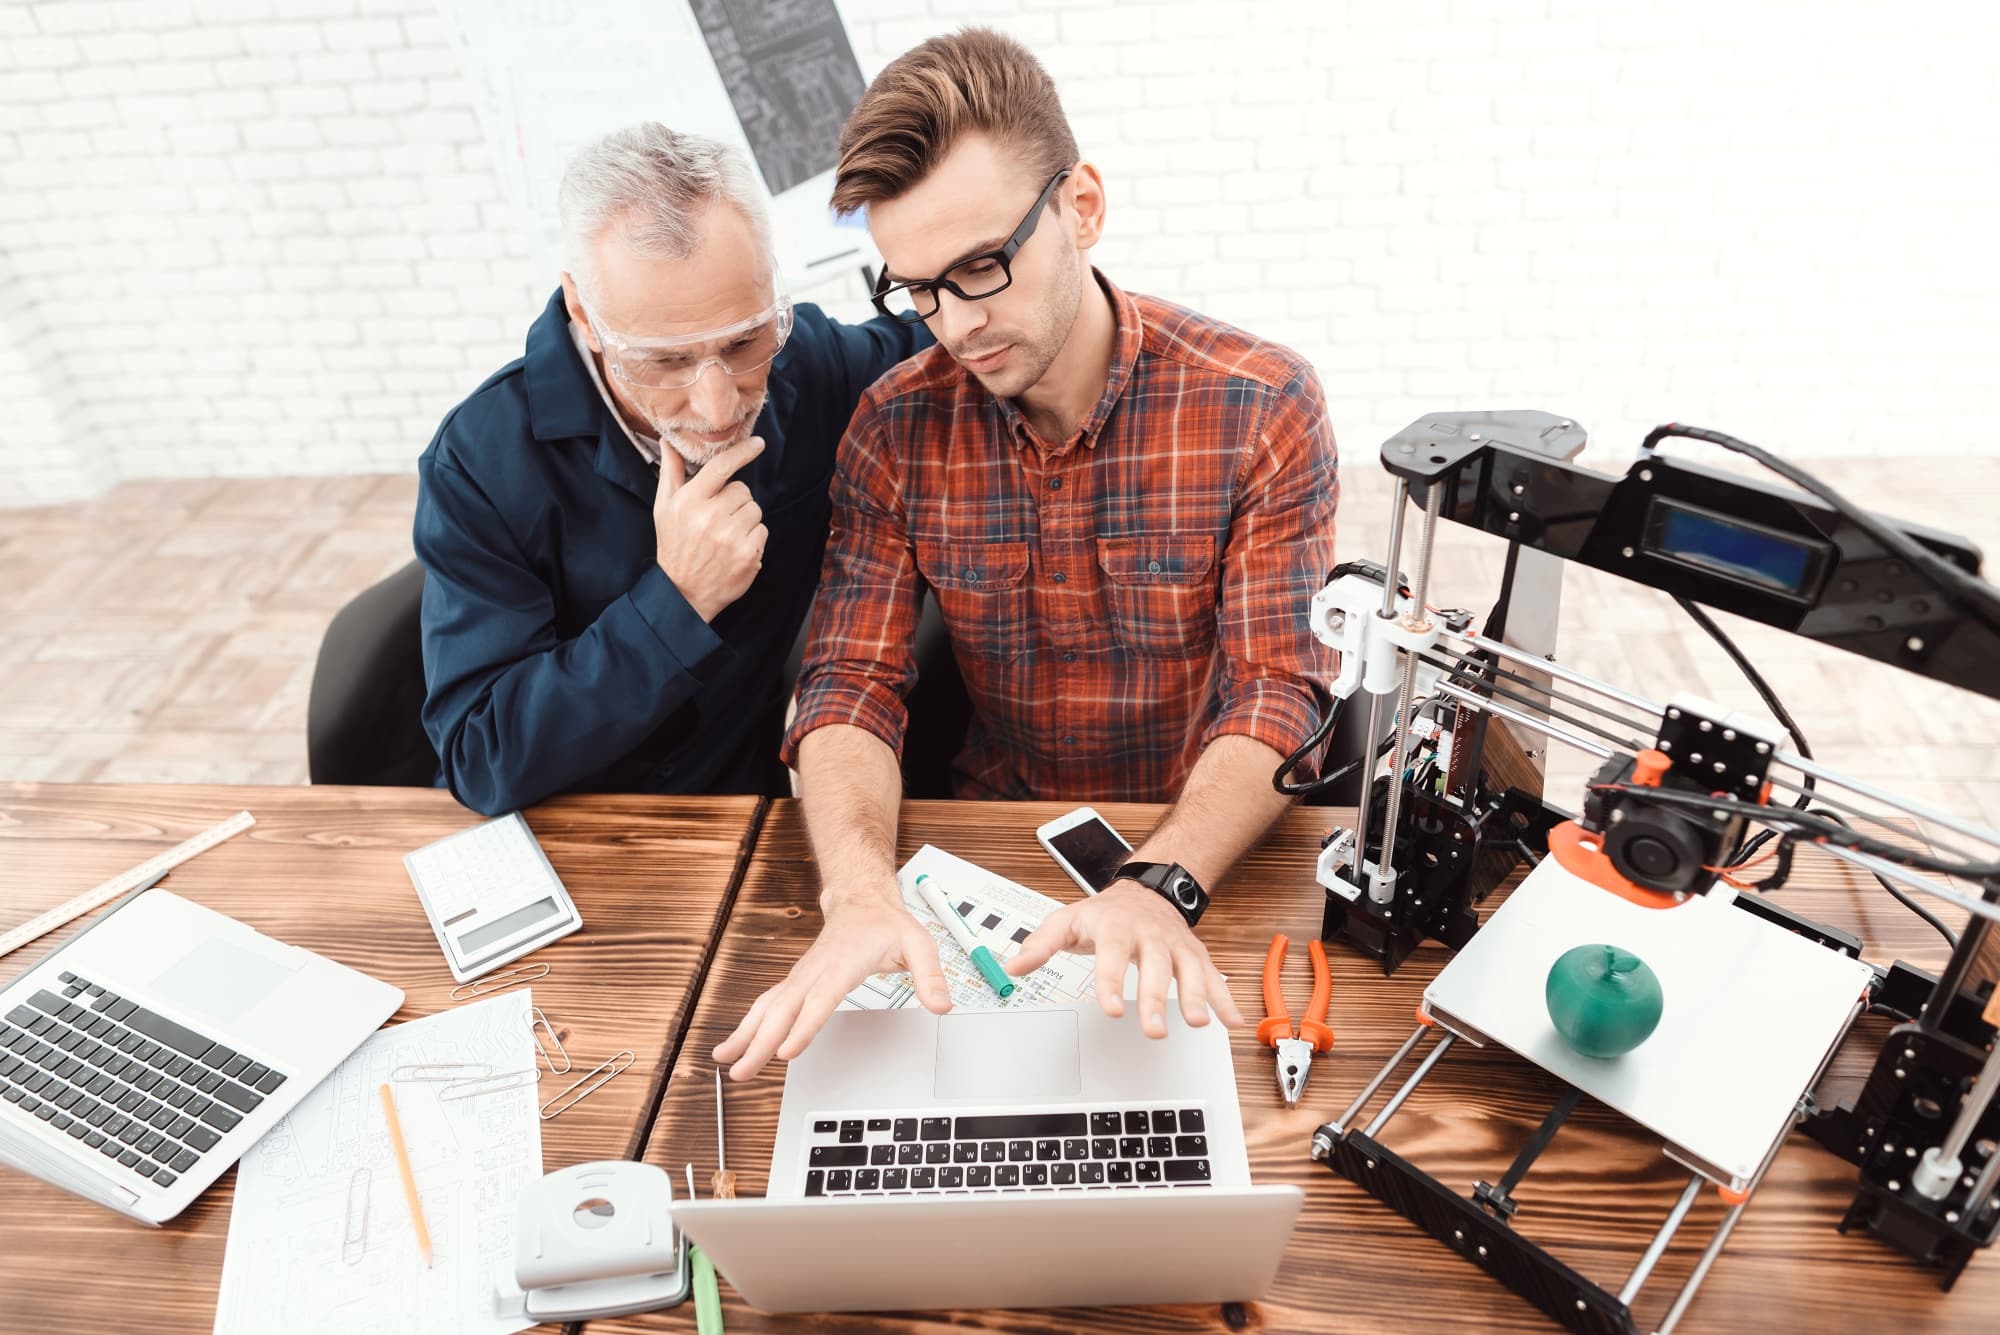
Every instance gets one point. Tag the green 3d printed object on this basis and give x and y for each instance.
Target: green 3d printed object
(1605, 1001)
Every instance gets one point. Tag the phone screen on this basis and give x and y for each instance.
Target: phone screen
(1094, 849)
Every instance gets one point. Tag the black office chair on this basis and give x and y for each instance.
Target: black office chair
(940, 710)
(364, 715)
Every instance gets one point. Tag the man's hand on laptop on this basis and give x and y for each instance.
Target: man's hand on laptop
(865, 933)
(1128, 923)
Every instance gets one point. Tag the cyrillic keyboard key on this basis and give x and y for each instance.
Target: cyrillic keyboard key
(1011, 1126)
(176, 1036)
(237, 1097)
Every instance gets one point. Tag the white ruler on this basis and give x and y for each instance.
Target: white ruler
(122, 882)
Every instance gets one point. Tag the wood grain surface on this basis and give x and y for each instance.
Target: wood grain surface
(322, 868)
(1595, 1199)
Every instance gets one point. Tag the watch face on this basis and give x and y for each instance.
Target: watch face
(1185, 893)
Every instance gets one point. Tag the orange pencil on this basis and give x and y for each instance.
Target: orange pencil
(409, 1178)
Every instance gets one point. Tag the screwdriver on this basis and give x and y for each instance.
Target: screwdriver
(723, 1185)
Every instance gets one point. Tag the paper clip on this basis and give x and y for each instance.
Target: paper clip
(490, 1084)
(590, 1084)
(538, 1024)
(499, 982)
(438, 1073)
(354, 1228)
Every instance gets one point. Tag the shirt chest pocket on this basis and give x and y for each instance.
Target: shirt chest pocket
(1162, 593)
(982, 590)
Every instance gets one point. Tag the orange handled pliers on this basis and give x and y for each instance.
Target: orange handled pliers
(1295, 1050)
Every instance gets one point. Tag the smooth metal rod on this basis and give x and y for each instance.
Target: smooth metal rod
(1529, 721)
(1398, 501)
(1728, 1225)
(1658, 1246)
(1361, 1100)
(1479, 643)
(1970, 829)
(1464, 665)
(1370, 731)
(1409, 1086)
(1406, 695)
(1982, 1190)
(1896, 871)
(1493, 690)
(1971, 1108)
(1821, 797)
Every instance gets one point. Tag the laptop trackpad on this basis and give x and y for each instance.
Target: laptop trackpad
(219, 980)
(1007, 1055)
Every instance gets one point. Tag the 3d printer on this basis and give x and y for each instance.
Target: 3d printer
(1687, 799)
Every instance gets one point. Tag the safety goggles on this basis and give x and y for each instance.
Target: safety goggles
(676, 363)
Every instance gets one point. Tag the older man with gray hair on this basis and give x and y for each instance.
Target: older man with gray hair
(621, 529)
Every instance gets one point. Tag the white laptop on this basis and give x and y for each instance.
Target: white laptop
(1003, 1158)
(142, 1059)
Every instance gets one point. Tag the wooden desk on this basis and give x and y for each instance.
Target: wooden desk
(323, 869)
(1596, 1197)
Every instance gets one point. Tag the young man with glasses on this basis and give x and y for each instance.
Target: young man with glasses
(621, 530)
(1123, 508)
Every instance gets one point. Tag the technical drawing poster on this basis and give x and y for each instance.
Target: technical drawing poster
(791, 76)
(549, 76)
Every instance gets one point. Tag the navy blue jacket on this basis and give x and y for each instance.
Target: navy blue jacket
(558, 657)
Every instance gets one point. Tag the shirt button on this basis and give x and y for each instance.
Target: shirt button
(1069, 741)
(1069, 656)
(970, 573)
(1153, 567)
(1055, 484)
(1060, 578)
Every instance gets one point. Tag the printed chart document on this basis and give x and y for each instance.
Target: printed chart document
(1000, 913)
(320, 1238)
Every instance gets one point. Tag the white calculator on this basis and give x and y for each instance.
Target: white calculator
(491, 895)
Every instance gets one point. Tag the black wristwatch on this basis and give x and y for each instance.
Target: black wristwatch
(1175, 883)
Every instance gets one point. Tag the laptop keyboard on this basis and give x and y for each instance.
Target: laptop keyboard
(150, 1095)
(920, 1154)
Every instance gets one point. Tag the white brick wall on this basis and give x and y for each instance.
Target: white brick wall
(264, 236)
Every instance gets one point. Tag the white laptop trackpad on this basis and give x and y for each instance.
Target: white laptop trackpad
(1007, 1055)
(219, 980)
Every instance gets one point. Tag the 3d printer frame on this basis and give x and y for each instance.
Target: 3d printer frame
(1426, 848)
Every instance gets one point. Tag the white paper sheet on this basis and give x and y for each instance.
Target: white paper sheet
(1003, 913)
(294, 1264)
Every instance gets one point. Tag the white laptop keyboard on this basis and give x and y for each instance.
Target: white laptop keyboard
(150, 1095)
(1086, 1149)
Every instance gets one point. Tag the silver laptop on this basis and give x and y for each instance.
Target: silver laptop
(1059, 1156)
(142, 1059)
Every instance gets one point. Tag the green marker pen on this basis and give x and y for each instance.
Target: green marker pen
(982, 958)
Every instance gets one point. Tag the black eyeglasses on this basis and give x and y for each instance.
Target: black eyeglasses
(972, 279)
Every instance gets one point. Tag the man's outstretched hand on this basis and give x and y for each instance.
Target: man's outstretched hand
(863, 935)
(1129, 923)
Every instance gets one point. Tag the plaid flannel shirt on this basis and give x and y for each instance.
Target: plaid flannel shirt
(1115, 601)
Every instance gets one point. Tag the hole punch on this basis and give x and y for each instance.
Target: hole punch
(500, 982)
(588, 1084)
(481, 1086)
(538, 1024)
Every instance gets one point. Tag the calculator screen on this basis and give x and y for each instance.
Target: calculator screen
(500, 929)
